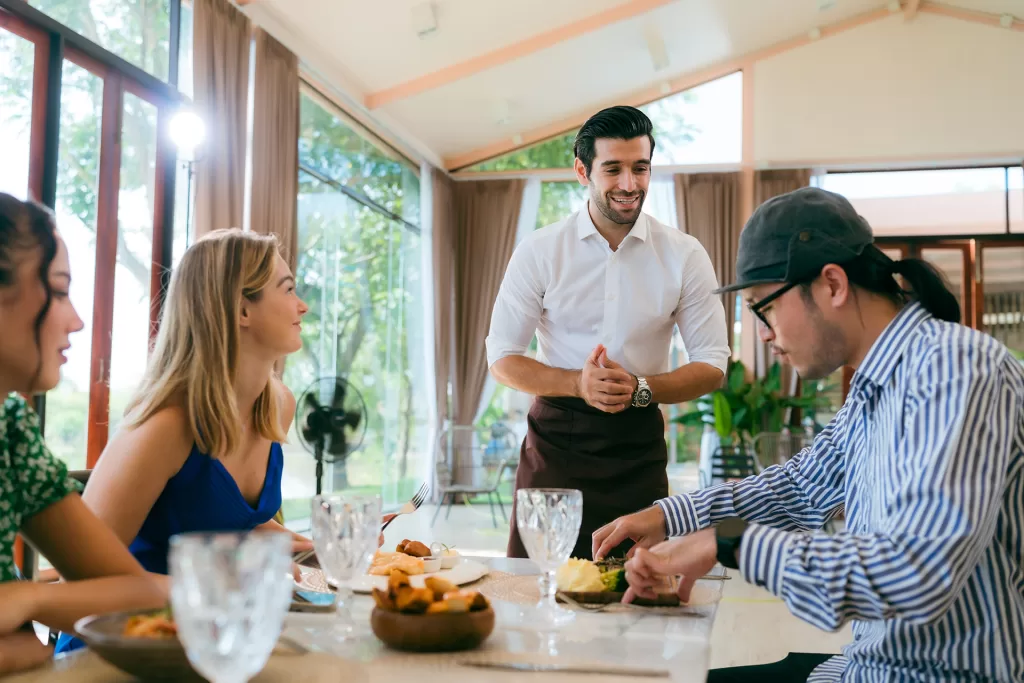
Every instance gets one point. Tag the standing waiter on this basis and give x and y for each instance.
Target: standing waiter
(603, 290)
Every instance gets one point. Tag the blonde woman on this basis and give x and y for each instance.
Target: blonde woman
(37, 497)
(200, 445)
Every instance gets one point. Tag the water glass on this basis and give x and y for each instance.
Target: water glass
(549, 523)
(229, 597)
(345, 533)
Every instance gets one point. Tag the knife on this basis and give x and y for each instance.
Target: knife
(567, 668)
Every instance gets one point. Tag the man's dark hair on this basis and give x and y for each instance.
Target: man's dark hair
(873, 271)
(617, 123)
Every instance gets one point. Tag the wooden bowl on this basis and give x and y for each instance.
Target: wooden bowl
(146, 658)
(432, 632)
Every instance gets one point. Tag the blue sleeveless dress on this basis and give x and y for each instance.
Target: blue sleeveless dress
(202, 496)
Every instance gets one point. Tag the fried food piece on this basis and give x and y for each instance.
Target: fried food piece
(474, 600)
(439, 586)
(383, 600)
(400, 548)
(438, 608)
(416, 549)
(396, 579)
(413, 600)
(392, 561)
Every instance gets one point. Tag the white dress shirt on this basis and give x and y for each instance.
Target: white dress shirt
(565, 283)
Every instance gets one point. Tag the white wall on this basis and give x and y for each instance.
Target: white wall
(930, 88)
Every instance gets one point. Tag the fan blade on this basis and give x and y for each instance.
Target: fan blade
(352, 418)
(338, 399)
(310, 402)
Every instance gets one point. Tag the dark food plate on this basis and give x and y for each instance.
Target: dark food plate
(146, 658)
(667, 598)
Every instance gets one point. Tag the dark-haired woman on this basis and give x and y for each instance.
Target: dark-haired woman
(926, 456)
(37, 497)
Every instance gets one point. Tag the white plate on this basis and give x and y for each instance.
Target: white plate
(464, 572)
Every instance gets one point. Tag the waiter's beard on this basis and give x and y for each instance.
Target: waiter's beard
(614, 212)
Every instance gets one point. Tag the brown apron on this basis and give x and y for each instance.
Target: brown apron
(617, 460)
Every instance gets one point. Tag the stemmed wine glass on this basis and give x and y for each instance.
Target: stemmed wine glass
(345, 533)
(549, 523)
(229, 596)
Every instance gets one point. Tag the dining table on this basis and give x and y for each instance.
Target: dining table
(617, 643)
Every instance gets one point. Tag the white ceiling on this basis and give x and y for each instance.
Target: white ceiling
(366, 47)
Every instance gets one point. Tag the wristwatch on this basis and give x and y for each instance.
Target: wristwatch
(642, 396)
(728, 535)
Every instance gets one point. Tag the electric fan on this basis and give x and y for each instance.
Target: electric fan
(330, 421)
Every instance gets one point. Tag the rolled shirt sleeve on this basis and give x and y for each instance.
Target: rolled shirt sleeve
(519, 305)
(700, 314)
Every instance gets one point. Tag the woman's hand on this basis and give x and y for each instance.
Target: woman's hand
(384, 520)
(20, 600)
(22, 650)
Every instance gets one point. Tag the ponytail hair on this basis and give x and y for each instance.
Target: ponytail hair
(929, 287)
(875, 272)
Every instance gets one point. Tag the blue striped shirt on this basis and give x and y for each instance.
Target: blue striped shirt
(927, 455)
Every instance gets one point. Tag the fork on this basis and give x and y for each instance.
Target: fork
(412, 505)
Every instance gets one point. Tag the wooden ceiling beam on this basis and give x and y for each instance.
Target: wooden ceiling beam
(508, 53)
(650, 94)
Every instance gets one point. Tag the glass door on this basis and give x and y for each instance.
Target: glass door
(1001, 293)
(23, 63)
(953, 260)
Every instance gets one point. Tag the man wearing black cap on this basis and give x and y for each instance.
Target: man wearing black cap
(926, 455)
(604, 291)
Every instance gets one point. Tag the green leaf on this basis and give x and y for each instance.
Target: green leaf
(736, 377)
(773, 380)
(723, 416)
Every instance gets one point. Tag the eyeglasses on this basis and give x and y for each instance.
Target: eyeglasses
(759, 306)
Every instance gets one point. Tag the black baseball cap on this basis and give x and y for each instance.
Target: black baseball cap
(791, 237)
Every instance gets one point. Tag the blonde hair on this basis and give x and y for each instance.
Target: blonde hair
(195, 357)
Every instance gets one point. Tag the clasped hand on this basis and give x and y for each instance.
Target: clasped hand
(604, 384)
(688, 557)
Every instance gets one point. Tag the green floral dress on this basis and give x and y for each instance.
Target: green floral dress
(31, 478)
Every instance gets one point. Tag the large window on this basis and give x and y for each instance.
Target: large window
(359, 270)
(107, 190)
(138, 31)
(703, 125)
(932, 203)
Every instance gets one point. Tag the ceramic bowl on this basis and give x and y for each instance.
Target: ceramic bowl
(145, 658)
(432, 632)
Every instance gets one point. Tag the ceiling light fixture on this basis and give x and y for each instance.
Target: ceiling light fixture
(1006, 20)
(814, 33)
(424, 18)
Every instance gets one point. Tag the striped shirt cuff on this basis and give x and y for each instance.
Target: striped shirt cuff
(680, 515)
(763, 556)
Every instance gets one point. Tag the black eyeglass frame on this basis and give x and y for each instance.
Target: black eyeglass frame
(759, 306)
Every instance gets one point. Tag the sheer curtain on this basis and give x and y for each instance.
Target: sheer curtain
(527, 224)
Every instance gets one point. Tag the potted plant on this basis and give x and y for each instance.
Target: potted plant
(741, 409)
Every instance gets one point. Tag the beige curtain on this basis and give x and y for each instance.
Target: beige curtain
(708, 207)
(221, 54)
(486, 214)
(443, 252)
(275, 144)
(768, 184)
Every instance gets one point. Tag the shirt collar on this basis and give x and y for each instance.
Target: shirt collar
(585, 225)
(887, 351)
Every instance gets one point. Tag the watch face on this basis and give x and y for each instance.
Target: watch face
(643, 397)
